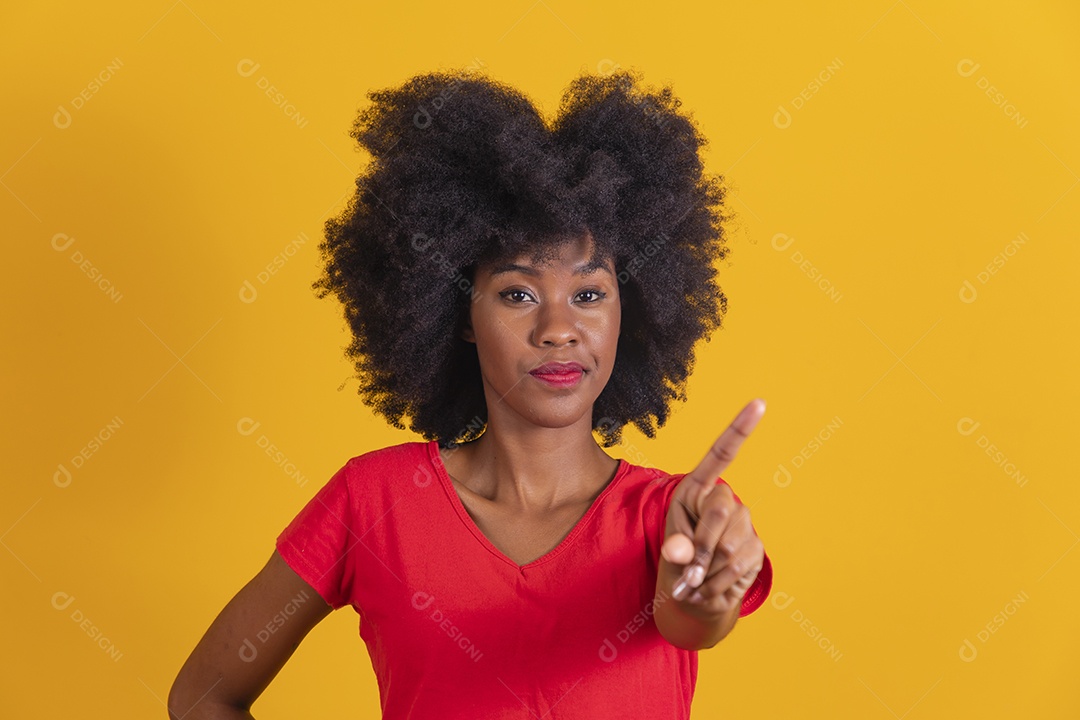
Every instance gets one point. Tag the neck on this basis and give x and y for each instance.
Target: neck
(535, 468)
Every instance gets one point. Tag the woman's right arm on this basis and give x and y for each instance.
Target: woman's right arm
(246, 645)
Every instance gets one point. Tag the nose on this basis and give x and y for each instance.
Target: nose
(555, 326)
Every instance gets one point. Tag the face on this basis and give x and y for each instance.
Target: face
(524, 315)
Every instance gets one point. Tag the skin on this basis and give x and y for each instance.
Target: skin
(711, 555)
(526, 481)
(216, 681)
(536, 469)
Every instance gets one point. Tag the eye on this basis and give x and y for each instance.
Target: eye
(600, 295)
(512, 294)
(507, 293)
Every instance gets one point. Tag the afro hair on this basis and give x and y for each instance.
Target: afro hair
(464, 170)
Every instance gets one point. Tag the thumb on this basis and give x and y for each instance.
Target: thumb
(679, 525)
(678, 549)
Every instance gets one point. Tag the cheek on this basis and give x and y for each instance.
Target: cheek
(603, 338)
(613, 324)
(494, 339)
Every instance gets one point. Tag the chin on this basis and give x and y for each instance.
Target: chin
(558, 415)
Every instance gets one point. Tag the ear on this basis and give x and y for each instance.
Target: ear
(467, 331)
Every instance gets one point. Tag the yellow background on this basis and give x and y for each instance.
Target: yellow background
(896, 540)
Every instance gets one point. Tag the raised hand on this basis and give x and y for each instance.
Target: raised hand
(711, 554)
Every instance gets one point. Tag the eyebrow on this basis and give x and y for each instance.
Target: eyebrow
(583, 269)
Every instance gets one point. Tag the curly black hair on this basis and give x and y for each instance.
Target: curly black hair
(464, 170)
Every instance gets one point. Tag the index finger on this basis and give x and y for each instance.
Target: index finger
(722, 452)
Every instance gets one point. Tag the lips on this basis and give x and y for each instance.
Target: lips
(558, 368)
(559, 375)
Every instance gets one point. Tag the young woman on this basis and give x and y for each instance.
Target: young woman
(514, 287)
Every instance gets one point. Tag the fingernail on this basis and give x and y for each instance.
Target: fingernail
(695, 576)
(680, 588)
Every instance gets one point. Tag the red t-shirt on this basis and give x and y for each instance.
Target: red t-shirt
(455, 629)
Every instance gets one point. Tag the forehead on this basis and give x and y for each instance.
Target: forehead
(584, 268)
(578, 255)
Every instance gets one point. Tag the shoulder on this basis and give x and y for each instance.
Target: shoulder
(654, 485)
(387, 465)
(406, 453)
(646, 484)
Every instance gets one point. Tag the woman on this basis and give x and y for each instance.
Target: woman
(512, 288)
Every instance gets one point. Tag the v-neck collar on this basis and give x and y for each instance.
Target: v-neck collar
(444, 478)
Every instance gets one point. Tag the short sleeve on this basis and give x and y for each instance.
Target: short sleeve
(759, 590)
(316, 543)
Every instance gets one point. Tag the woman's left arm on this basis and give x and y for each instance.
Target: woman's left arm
(698, 623)
(711, 555)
